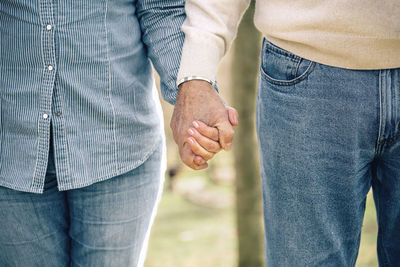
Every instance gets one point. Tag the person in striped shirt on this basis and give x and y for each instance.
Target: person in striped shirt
(81, 133)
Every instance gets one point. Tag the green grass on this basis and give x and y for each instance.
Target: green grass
(188, 235)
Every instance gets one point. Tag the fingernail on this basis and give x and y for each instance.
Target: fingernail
(191, 140)
(196, 125)
(191, 132)
(235, 118)
(228, 146)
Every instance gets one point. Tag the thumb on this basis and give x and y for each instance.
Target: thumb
(233, 115)
(226, 133)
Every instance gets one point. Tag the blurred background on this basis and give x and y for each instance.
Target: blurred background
(213, 217)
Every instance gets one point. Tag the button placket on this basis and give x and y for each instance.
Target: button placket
(46, 91)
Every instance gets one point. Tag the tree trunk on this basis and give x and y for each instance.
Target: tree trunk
(244, 72)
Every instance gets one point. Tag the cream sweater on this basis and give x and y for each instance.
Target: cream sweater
(355, 34)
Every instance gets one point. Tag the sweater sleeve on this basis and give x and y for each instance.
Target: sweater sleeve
(210, 27)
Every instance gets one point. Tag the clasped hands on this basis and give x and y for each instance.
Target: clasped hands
(201, 124)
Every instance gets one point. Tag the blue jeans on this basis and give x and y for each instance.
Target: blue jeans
(326, 136)
(104, 224)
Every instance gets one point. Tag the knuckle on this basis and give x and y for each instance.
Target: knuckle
(203, 131)
(201, 127)
(211, 149)
(208, 156)
(214, 131)
(205, 155)
(215, 136)
(196, 149)
(207, 130)
(214, 147)
(209, 146)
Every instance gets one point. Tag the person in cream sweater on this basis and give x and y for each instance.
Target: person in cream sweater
(328, 119)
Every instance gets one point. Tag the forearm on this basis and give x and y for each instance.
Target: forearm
(161, 22)
(210, 28)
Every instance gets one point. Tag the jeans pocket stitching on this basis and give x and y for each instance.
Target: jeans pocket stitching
(269, 47)
(288, 82)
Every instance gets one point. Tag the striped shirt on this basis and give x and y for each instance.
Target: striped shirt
(80, 71)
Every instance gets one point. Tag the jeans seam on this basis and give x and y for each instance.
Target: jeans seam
(74, 239)
(297, 67)
(112, 223)
(378, 144)
(280, 51)
(292, 58)
(390, 140)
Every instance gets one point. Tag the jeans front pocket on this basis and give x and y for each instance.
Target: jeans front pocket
(281, 67)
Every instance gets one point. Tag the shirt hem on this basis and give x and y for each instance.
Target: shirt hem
(28, 188)
(113, 174)
(20, 188)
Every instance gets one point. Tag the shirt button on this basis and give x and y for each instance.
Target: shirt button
(45, 116)
(49, 27)
(58, 114)
(50, 67)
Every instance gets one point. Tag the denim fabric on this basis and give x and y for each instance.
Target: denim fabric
(104, 224)
(84, 68)
(326, 136)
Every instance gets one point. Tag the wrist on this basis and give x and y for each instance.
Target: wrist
(195, 89)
